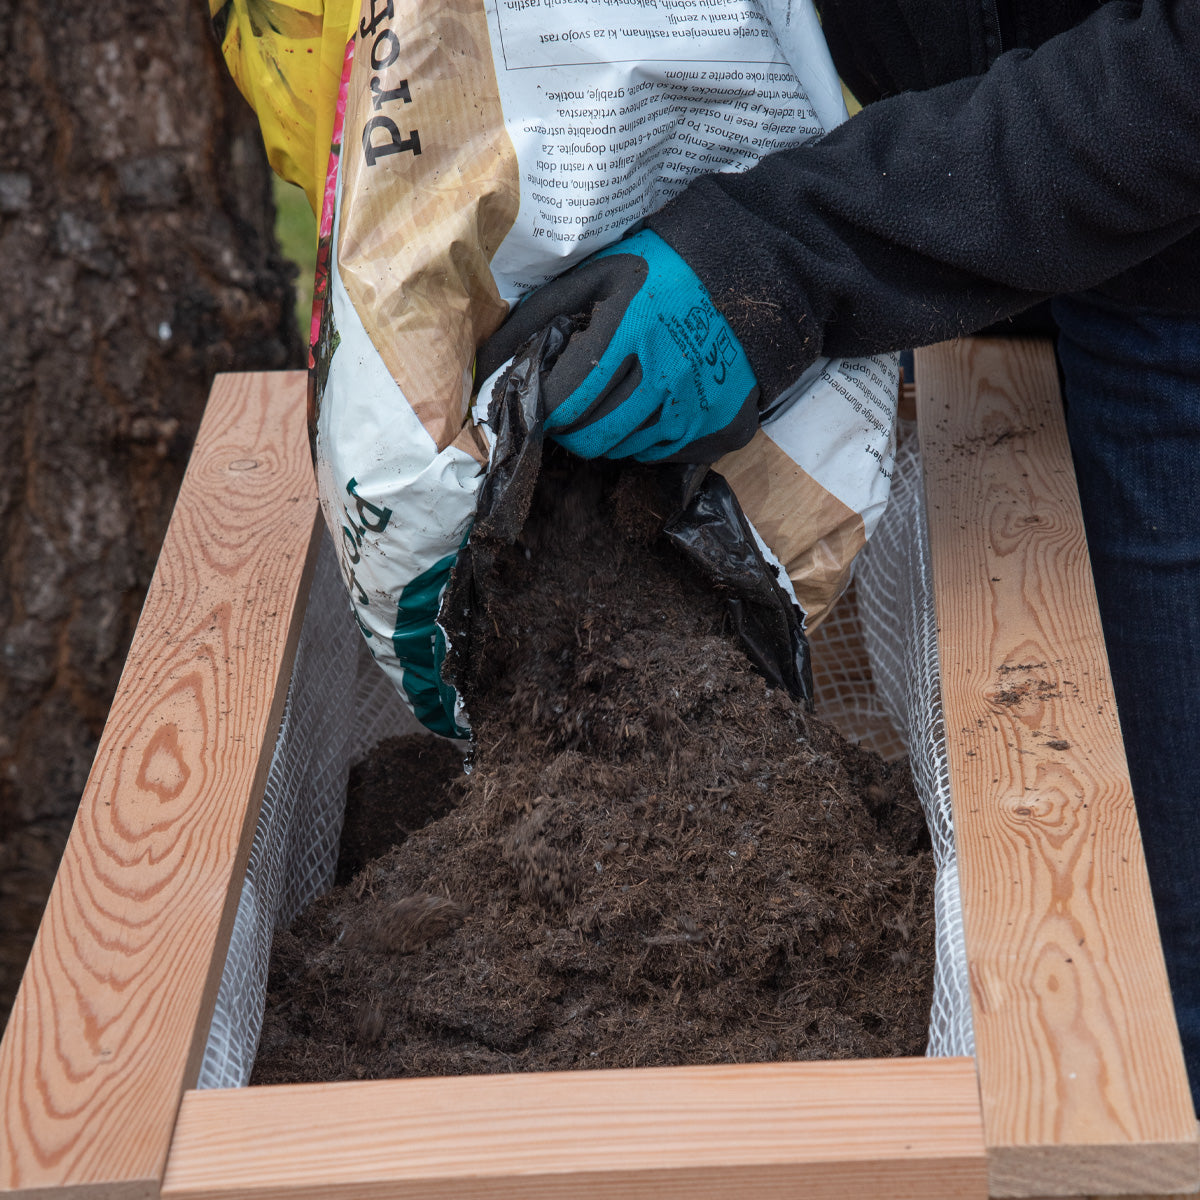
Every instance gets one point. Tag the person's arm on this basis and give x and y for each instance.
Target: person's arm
(935, 213)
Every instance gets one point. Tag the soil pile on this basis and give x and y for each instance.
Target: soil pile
(656, 859)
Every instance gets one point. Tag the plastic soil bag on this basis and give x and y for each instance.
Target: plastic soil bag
(488, 145)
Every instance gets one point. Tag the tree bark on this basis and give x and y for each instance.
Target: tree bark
(136, 260)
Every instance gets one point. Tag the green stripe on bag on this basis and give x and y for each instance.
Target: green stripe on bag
(420, 647)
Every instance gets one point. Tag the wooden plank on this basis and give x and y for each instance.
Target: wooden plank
(1081, 1072)
(1173, 1196)
(826, 1131)
(110, 1021)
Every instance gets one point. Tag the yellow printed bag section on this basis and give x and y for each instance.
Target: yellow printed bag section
(286, 59)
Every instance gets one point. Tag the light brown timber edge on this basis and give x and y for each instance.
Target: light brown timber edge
(1080, 1067)
(906, 1128)
(114, 1007)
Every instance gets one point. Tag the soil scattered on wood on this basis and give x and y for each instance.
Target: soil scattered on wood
(654, 860)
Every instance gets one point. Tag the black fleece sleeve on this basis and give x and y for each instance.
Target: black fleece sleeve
(932, 214)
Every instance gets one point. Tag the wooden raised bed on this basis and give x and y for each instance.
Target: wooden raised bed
(1078, 1087)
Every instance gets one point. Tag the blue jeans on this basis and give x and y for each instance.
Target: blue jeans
(1132, 385)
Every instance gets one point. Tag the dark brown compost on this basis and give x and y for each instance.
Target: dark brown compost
(655, 858)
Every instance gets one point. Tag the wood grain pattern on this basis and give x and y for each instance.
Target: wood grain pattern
(114, 1007)
(825, 1131)
(1081, 1071)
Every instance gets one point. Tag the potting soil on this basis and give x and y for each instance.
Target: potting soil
(655, 858)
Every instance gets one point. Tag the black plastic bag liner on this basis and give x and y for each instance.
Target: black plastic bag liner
(707, 525)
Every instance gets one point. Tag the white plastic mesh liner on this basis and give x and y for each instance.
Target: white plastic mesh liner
(339, 705)
(844, 683)
(894, 592)
(877, 681)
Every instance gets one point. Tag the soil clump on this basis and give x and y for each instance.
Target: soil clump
(655, 859)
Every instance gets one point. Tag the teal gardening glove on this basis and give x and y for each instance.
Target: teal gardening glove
(653, 371)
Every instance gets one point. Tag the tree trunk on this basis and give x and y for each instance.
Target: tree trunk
(136, 260)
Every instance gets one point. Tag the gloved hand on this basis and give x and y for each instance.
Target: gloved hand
(653, 372)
